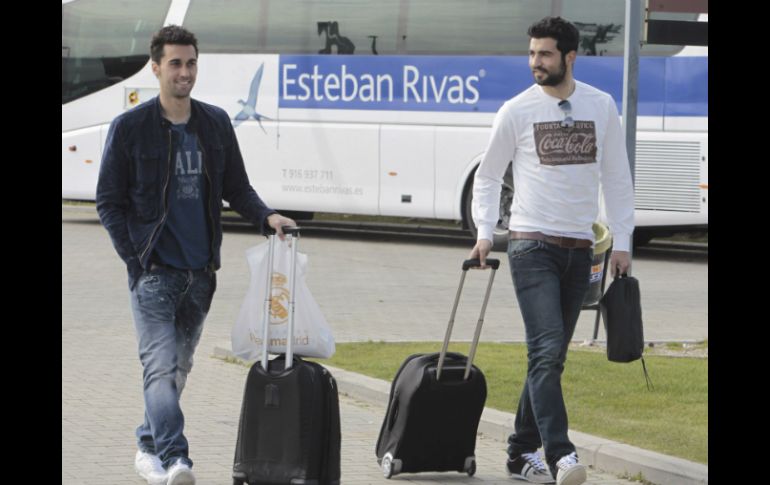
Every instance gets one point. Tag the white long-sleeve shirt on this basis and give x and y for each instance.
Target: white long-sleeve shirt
(557, 170)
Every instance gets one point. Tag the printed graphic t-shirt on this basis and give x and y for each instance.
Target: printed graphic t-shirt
(184, 242)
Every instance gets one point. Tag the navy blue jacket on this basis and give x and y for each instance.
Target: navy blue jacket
(134, 176)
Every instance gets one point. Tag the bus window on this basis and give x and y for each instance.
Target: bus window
(601, 24)
(499, 27)
(105, 42)
(295, 26)
(459, 27)
(424, 27)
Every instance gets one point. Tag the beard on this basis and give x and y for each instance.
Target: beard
(552, 78)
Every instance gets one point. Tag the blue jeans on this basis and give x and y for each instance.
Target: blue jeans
(551, 283)
(169, 307)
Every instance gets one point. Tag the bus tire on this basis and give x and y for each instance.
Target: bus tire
(501, 237)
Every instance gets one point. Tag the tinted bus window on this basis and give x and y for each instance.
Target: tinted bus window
(420, 27)
(601, 24)
(105, 42)
(499, 27)
(459, 27)
(295, 26)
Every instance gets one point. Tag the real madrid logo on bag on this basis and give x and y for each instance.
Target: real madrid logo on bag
(279, 300)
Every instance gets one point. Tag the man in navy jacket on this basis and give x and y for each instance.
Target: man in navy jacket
(167, 165)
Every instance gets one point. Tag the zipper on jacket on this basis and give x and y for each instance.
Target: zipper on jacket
(165, 197)
(208, 202)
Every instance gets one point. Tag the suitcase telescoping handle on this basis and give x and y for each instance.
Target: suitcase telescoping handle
(467, 264)
(293, 233)
(288, 230)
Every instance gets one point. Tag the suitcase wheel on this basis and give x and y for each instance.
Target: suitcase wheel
(387, 465)
(470, 466)
(390, 465)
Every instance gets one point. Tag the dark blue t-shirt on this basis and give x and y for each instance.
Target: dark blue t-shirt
(185, 240)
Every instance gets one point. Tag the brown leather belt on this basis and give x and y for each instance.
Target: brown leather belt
(562, 242)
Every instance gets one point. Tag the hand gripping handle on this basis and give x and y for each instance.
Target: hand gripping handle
(476, 263)
(288, 230)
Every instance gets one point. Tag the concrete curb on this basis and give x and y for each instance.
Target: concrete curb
(601, 453)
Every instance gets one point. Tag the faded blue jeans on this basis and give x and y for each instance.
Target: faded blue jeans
(551, 283)
(169, 307)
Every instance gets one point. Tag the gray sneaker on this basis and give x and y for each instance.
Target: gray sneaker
(570, 472)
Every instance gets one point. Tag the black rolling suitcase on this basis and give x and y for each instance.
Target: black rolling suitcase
(435, 405)
(289, 429)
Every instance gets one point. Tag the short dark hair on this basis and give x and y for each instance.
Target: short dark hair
(171, 34)
(566, 34)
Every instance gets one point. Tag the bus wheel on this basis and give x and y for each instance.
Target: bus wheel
(501, 236)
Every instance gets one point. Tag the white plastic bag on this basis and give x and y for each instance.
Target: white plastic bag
(312, 335)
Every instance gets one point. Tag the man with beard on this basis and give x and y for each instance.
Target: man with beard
(563, 137)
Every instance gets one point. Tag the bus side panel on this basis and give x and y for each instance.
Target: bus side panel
(457, 149)
(704, 178)
(80, 160)
(671, 172)
(407, 171)
(323, 167)
(259, 149)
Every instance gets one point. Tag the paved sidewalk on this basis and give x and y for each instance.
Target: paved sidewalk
(102, 404)
(101, 374)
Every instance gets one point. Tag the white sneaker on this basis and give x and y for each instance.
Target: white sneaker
(570, 472)
(149, 467)
(180, 474)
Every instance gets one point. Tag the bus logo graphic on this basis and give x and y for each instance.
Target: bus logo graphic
(250, 105)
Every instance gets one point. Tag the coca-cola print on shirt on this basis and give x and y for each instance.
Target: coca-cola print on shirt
(559, 145)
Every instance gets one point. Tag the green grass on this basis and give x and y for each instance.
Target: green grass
(636, 478)
(603, 398)
(684, 346)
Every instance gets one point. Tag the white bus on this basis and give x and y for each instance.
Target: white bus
(379, 107)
